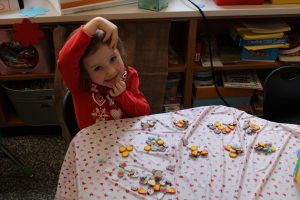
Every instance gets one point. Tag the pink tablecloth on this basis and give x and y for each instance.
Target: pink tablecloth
(251, 175)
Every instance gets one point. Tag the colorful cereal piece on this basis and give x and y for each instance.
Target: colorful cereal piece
(194, 148)
(142, 191)
(227, 130)
(150, 191)
(129, 148)
(160, 141)
(217, 124)
(122, 149)
(161, 149)
(273, 149)
(182, 124)
(204, 152)
(134, 188)
(245, 124)
(121, 173)
(151, 182)
(256, 127)
(227, 148)
(122, 164)
(125, 154)
(171, 190)
(261, 144)
(147, 148)
(217, 131)
(156, 187)
(143, 181)
(194, 153)
(163, 189)
(134, 175)
(211, 126)
(251, 124)
(233, 155)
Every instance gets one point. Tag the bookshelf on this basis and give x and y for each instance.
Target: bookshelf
(178, 12)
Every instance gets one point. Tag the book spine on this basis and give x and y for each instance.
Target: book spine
(242, 42)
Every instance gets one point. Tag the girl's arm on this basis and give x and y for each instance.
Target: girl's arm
(69, 57)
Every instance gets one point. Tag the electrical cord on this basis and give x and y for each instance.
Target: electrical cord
(206, 32)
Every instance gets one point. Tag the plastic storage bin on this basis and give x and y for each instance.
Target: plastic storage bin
(16, 59)
(33, 101)
(172, 84)
(239, 2)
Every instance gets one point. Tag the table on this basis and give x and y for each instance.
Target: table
(93, 158)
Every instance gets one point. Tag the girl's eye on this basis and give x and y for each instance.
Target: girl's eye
(98, 68)
(113, 59)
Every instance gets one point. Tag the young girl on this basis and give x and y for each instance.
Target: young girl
(92, 68)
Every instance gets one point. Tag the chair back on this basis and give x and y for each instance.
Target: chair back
(282, 95)
(69, 114)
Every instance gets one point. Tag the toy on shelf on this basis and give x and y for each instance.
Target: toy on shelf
(296, 173)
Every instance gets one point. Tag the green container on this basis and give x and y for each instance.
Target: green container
(155, 5)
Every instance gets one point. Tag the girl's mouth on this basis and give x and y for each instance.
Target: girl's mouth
(112, 79)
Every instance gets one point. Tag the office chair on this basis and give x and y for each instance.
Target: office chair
(26, 169)
(69, 114)
(282, 95)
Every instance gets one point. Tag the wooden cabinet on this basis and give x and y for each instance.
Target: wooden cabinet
(179, 18)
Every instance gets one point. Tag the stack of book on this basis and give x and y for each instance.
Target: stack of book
(260, 39)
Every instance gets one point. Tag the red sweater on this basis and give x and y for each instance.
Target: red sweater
(96, 105)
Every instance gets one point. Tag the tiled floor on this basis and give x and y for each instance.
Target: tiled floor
(43, 151)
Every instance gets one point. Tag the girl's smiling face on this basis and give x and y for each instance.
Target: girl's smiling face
(104, 66)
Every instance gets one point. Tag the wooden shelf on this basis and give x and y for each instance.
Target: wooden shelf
(176, 68)
(246, 65)
(17, 77)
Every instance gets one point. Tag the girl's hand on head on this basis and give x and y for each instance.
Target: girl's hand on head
(118, 88)
(110, 30)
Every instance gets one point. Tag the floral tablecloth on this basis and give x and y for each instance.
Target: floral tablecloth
(93, 160)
